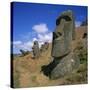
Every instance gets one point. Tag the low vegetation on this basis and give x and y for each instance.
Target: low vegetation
(27, 71)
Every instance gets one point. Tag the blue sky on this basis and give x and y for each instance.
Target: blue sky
(37, 22)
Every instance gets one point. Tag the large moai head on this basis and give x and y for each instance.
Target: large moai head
(63, 34)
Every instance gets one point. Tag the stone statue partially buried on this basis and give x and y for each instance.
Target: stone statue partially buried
(64, 60)
(36, 51)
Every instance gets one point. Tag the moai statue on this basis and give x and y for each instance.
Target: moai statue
(36, 51)
(63, 35)
(41, 49)
(24, 52)
(46, 45)
(64, 60)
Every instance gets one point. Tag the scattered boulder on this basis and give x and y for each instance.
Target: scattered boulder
(66, 66)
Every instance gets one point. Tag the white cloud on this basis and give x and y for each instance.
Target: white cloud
(40, 43)
(41, 38)
(47, 37)
(77, 23)
(40, 28)
(25, 46)
(17, 42)
(28, 44)
(42, 35)
(35, 39)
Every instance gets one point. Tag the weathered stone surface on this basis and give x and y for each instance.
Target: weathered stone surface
(66, 65)
(47, 69)
(44, 47)
(36, 51)
(65, 61)
(63, 34)
(23, 53)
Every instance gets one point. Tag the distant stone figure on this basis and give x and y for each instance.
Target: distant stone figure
(24, 52)
(36, 51)
(64, 60)
(44, 47)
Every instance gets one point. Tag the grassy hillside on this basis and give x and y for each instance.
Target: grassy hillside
(27, 71)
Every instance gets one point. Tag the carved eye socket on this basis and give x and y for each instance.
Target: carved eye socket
(66, 18)
(56, 34)
(60, 33)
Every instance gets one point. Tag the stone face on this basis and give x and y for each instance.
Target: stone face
(65, 66)
(65, 61)
(63, 34)
(36, 51)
